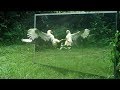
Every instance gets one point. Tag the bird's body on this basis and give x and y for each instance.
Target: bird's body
(52, 38)
(68, 41)
(50, 35)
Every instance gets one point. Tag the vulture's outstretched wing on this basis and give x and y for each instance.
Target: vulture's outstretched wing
(35, 33)
(75, 36)
(85, 34)
(79, 33)
(32, 33)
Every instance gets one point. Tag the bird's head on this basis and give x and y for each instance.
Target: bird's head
(67, 31)
(87, 30)
(49, 31)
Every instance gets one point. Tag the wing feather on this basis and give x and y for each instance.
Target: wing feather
(75, 35)
(80, 33)
(85, 33)
(32, 34)
(44, 36)
(35, 33)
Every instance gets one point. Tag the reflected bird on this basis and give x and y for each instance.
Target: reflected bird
(72, 38)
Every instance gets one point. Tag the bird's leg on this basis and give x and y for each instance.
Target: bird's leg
(62, 46)
(69, 47)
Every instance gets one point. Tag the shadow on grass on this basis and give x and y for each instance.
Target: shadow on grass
(80, 75)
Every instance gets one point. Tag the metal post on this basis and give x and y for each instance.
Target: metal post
(34, 42)
(118, 21)
(116, 72)
(35, 21)
(76, 13)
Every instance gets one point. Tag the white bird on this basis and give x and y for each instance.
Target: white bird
(70, 38)
(34, 33)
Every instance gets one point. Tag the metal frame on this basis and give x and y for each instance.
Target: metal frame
(116, 72)
(75, 13)
(82, 12)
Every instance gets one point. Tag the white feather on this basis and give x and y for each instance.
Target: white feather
(86, 33)
(26, 40)
(32, 33)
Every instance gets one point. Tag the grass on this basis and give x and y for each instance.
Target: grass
(21, 62)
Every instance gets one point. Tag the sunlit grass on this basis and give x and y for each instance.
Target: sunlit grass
(21, 62)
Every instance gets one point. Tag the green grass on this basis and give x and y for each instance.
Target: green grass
(21, 62)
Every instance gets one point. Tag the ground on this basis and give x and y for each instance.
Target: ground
(22, 62)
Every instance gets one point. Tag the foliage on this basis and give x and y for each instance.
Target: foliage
(116, 53)
(102, 26)
(115, 42)
(14, 25)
